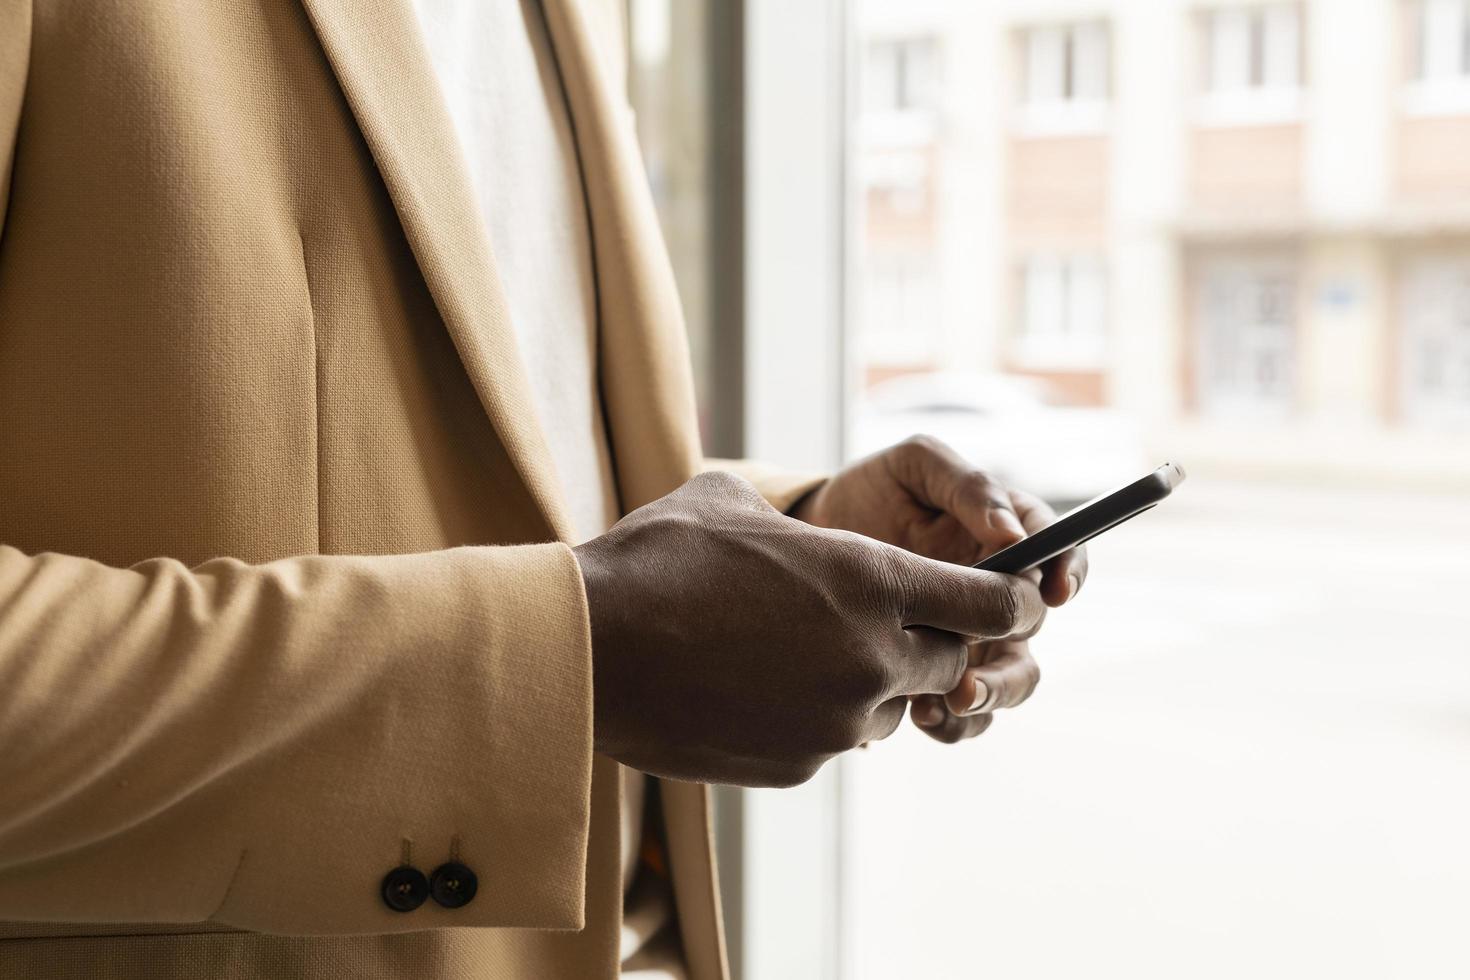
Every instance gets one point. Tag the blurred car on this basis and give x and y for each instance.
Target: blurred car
(1013, 427)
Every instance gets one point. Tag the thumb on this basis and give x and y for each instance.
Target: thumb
(964, 600)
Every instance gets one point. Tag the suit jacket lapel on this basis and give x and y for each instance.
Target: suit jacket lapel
(649, 395)
(377, 52)
(644, 357)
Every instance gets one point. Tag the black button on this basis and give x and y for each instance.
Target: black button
(453, 885)
(405, 888)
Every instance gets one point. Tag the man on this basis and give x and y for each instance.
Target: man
(334, 336)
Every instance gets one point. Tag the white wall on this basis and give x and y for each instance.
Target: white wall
(796, 221)
(1349, 66)
(1152, 94)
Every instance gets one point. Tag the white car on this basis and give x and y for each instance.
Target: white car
(1008, 425)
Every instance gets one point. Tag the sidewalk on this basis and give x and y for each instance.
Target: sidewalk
(1249, 757)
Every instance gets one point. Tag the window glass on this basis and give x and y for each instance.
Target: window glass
(1436, 340)
(1046, 65)
(901, 75)
(1438, 73)
(1089, 75)
(1247, 337)
(899, 309)
(1216, 750)
(1465, 41)
(1231, 44)
(1280, 46)
(1443, 45)
(1065, 63)
(1120, 238)
(1063, 311)
(1064, 78)
(1252, 64)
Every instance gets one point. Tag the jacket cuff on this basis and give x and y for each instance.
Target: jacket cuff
(479, 750)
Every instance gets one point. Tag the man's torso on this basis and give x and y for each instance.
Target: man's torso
(209, 296)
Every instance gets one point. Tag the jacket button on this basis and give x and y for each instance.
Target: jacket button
(453, 885)
(405, 888)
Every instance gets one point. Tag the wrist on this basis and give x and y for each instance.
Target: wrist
(808, 507)
(592, 565)
(593, 562)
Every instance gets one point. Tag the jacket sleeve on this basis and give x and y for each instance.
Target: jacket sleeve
(258, 745)
(783, 489)
(15, 61)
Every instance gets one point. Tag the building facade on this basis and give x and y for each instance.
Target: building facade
(1247, 223)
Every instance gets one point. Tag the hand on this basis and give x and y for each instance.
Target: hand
(733, 644)
(999, 674)
(921, 496)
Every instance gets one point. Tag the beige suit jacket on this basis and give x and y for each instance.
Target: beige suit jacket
(283, 592)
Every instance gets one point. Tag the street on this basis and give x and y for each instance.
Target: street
(1249, 757)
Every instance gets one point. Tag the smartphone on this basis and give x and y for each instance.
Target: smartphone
(1087, 521)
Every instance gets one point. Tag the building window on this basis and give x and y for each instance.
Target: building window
(1434, 382)
(900, 307)
(1253, 48)
(1251, 64)
(1246, 338)
(1440, 59)
(901, 75)
(1063, 313)
(1443, 39)
(1065, 70)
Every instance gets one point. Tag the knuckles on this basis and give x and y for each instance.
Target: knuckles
(864, 573)
(921, 446)
(792, 774)
(865, 680)
(968, 728)
(721, 484)
(957, 729)
(1009, 605)
(1033, 675)
(958, 667)
(889, 719)
(981, 488)
(952, 731)
(1006, 607)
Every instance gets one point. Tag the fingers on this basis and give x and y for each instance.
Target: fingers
(1034, 513)
(886, 719)
(932, 664)
(963, 600)
(933, 719)
(941, 479)
(993, 516)
(1005, 676)
(1062, 576)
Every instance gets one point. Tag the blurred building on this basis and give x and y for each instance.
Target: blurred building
(1247, 223)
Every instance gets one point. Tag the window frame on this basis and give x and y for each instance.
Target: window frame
(1255, 101)
(1419, 321)
(1426, 94)
(1226, 407)
(1064, 113)
(1061, 347)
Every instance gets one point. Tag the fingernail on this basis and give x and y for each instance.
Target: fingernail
(1073, 584)
(928, 714)
(982, 694)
